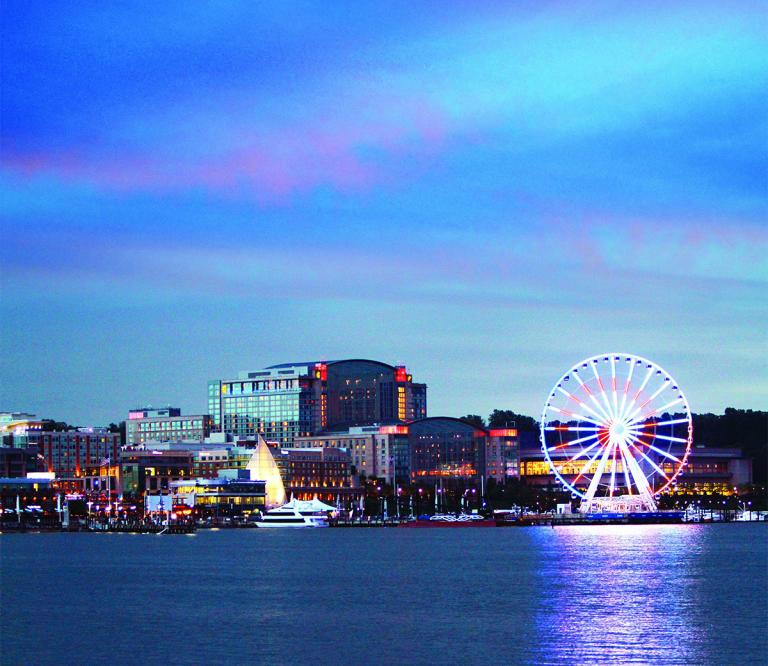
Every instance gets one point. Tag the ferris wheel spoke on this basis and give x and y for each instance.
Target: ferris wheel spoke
(580, 403)
(567, 412)
(625, 469)
(661, 452)
(649, 460)
(614, 395)
(664, 437)
(587, 465)
(602, 391)
(595, 482)
(667, 455)
(637, 474)
(573, 428)
(585, 388)
(572, 443)
(650, 400)
(585, 451)
(633, 401)
(605, 417)
(613, 469)
(659, 410)
(656, 424)
(627, 384)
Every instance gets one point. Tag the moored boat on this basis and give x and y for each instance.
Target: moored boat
(297, 513)
(450, 520)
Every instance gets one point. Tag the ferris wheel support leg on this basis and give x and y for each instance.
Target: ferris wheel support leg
(650, 503)
(589, 497)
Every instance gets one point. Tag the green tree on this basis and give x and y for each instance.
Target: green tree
(120, 428)
(506, 418)
(474, 419)
(49, 425)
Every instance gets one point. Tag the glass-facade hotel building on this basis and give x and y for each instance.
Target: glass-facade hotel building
(292, 400)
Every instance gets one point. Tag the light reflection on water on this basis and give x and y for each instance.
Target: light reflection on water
(678, 594)
(621, 594)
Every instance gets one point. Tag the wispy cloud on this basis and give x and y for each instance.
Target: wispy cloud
(537, 84)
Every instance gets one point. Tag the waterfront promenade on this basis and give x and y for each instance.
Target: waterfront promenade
(149, 526)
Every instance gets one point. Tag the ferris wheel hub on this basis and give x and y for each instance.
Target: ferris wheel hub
(617, 431)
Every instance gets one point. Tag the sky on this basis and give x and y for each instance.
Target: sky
(486, 192)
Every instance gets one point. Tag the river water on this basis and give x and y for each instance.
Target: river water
(655, 594)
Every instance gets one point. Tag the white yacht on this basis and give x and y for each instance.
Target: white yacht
(297, 513)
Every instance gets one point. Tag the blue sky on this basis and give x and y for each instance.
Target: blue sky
(487, 195)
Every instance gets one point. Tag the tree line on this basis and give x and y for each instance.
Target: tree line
(745, 429)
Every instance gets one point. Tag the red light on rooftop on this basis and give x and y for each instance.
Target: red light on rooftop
(503, 432)
(321, 372)
(401, 375)
(393, 430)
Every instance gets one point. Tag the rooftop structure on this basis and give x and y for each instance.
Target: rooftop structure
(292, 400)
(165, 425)
(153, 412)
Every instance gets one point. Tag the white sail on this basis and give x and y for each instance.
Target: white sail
(263, 467)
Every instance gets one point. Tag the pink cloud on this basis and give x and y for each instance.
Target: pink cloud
(270, 162)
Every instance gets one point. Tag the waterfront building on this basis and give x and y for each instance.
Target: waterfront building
(446, 448)
(372, 449)
(502, 454)
(220, 496)
(166, 424)
(323, 473)
(290, 400)
(16, 463)
(713, 471)
(211, 456)
(137, 472)
(67, 453)
(426, 450)
(15, 426)
(104, 479)
(709, 470)
(207, 463)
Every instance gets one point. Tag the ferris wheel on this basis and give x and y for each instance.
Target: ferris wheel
(616, 430)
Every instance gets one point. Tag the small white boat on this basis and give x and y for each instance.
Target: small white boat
(297, 513)
(451, 518)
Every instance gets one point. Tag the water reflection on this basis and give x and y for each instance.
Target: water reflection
(619, 594)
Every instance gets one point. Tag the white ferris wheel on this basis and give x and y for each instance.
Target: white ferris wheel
(616, 430)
